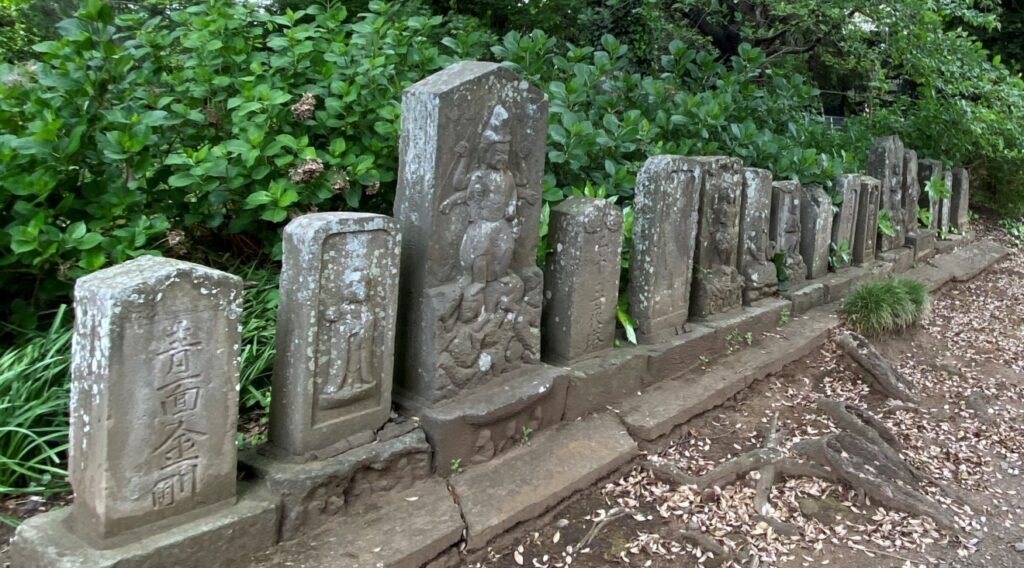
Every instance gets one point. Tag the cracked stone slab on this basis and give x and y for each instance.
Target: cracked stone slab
(526, 482)
(404, 529)
(666, 405)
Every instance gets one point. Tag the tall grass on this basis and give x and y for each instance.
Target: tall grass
(34, 389)
(886, 306)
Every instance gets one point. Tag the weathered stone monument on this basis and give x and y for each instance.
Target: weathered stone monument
(946, 206)
(932, 172)
(664, 236)
(920, 239)
(815, 229)
(885, 163)
(154, 408)
(960, 201)
(581, 279)
(844, 222)
(469, 197)
(335, 332)
(760, 278)
(785, 228)
(717, 285)
(864, 239)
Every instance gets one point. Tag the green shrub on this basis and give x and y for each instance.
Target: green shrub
(885, 306)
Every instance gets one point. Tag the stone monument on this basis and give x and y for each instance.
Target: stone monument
(844, 222)
(864, 239)
(335, 332)
(815, 229)
(471, 161)
(885, 163)
(581, 279)
(154, 409)
(717, 285)
(931, 172)
(784, 231)
(760, 279)
(664, 233)
(960, 200)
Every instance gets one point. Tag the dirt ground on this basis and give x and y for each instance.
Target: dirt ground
(967, 361)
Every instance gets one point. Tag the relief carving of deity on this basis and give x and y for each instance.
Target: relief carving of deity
(350, 328)
(483, 325)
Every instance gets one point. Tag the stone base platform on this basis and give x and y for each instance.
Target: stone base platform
(901, 258)
(661, 408)
(923, 244)
(404, 529)
(481, 424)
(531, 479)
(312, 494)
(961, 265)
(248, 526)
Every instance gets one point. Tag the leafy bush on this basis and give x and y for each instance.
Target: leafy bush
(886, 306)
(34, 389)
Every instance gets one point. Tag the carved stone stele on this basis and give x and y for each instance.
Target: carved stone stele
(335, 330)
(154, 395)
(469, 196)
(911, 192)
(784, 230)
(864, 239)
(760, 277)
(885, 163)
(815, 229)
(664, 232)
(927, 171)
(717, 285)
(960, 202)
(581, 278)
(844, 222)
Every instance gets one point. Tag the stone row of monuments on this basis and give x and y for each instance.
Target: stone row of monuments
(447, 298)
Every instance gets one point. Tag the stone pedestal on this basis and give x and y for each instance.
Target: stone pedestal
(885, 163)
(867, 221)
(815, 230)
(717, 285)
(469, 198)
(784, 231)
(335, 332)
(760, 278)
(923, 243)
(581, 280)
(664, 233)
(844, 222)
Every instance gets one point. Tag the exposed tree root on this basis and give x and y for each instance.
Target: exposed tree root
(708, 544)
(881, 374)
(865, 455)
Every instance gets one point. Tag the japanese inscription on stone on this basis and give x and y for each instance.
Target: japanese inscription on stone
(717, 285)
(755, 263)
(864, 240)
(785, 230)
(154, 396)
(581, 281)
(885, 163)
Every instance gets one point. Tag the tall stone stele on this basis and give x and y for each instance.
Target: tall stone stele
(581, 279)
(717, 284)
(815, 229)
(335, 332)
(931, 172)
(154, 394)
(844, 221)
(960, 200)
(760, 277)
(864, 240)
(664, 232)
(784, 231)
(885, 163)
(911, 191)
(468, 203)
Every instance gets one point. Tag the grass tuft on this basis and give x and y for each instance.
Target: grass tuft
(886, 306)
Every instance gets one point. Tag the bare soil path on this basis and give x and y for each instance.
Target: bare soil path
(967, 361)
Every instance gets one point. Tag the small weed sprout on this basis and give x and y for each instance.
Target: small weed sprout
(527, 431)
(456, 466)
(784, 317)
